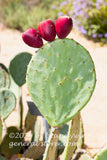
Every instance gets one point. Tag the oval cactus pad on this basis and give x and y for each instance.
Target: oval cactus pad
(4, 77)
(61, 80)
(18, 67)
(7, 103)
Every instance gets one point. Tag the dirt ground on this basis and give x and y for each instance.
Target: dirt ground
(95, 113)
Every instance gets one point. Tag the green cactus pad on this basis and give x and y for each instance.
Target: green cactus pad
(1, 127)
(18, 67)
(4, 77)
(14, 88)
(12, 142)
(2, 158)
(29, 121)
(102, 155)
(61, 80)
(35, 150)
(85, 157)
(7, 103)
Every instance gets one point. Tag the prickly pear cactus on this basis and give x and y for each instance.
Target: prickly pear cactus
(63, 136)
(18, 67)
(30, 122)
(61, 80)
(102, 155)
(7, 102)
(85, 157)
(4, 77)
(11, 143)
(2, 158)
(1, 127)
(35, 151)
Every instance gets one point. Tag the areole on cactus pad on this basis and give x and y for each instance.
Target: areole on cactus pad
(61, 79)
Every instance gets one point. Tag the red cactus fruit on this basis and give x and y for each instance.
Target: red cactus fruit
(63, 26)
(47, 30)
(59, 158)
(32, 38)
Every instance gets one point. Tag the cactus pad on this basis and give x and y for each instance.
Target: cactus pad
(7, 103)
(1, 127)
(4, 77)
(102, 155)
(11, 143)
(61, 80)
(18, 67)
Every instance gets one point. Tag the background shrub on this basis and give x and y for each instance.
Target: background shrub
(90, 17)
(21, 15)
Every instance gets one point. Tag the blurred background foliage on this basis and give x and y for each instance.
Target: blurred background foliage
(89, 16)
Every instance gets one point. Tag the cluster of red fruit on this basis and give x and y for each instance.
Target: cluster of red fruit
(48, 31)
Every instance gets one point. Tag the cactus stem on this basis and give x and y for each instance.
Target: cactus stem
(70, 147)
(50, 152)
(21, 109)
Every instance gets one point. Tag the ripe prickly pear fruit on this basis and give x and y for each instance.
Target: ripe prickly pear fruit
(63, 26)
(59, 158)
(32, 38)
(47, 30)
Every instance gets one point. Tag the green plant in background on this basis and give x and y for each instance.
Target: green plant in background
(4, 77)
(10, 88)
(7, 97)
(13, 13)
(7, 103)
(61, 79)
(7, 145)
(17, 68)
(90, 17)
